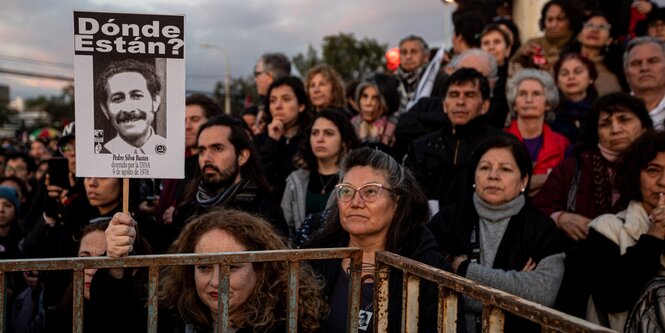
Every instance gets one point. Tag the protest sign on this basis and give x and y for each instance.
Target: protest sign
(129, 95)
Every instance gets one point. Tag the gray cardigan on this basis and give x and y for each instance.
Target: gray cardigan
(293, 200)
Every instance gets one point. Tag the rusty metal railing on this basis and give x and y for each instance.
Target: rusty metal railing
(156, 262)
(495, 302)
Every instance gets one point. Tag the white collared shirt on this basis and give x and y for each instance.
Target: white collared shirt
(119, 146)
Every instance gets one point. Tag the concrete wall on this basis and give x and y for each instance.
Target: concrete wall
(526, 14)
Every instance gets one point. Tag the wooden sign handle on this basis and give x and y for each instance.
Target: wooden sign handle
(125, 195)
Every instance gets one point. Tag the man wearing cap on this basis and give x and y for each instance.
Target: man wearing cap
(129, 96)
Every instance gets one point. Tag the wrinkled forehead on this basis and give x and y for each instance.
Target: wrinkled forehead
(646, 50)
(465, 86)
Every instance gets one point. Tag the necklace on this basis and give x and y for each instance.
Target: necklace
(324, 186)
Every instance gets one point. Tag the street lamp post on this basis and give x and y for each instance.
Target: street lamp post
(227, 75)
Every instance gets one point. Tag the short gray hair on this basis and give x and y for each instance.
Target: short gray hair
(551, 91)
(639, 41)
(415, 38)
(454, 63)
(276, 64)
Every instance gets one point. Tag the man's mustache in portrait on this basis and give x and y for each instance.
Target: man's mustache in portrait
(127, 116)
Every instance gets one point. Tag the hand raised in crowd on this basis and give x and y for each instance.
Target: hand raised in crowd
(167, 217)
(574, 225)
(644, 7)
(58, 194)
(120, 236)
(276, 129)
(657, 218)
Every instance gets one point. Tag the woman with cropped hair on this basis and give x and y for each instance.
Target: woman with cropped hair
(532, 95)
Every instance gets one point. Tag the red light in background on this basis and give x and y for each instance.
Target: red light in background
(392, 59)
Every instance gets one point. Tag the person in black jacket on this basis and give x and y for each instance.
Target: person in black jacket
(188, 295)
(498, 239)
(439, 159)
(229, 176)
(380, 208)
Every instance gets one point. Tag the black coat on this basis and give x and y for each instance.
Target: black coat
(421, 247)
(249, 198)
(530, 234)
(439, 160)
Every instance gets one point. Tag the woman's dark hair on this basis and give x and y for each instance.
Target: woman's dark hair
(411, 210)
(388, 89)
(635, 159)
(495, 27)
(469, 24)
(515, 31)
(305, 117)
(570, 8)
(591, 68)
(612, 53)
(611, 103)
(512, 144)
(346, 131)
(350, 92)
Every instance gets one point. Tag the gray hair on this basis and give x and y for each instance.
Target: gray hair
(394, 172)
(551, 91)
(276, 64)
(639, 41)
(415, 38)
(454, 63)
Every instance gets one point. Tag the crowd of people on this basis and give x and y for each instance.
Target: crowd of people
(537, 168)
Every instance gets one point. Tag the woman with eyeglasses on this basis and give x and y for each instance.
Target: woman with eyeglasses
(380, 207)
(497, 238)
(596, 42)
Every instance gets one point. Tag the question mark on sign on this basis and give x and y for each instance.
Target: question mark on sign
(177, 45)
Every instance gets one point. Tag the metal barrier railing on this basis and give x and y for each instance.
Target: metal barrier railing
(495, 302)
(155, 262)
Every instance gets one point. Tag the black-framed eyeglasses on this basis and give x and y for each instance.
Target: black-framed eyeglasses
(368, 192)
(258, 73)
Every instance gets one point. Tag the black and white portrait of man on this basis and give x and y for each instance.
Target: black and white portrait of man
(129, 95)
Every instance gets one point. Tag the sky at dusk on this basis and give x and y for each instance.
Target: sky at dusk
(43, 31)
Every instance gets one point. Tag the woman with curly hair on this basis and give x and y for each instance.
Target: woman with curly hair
(188, 295)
